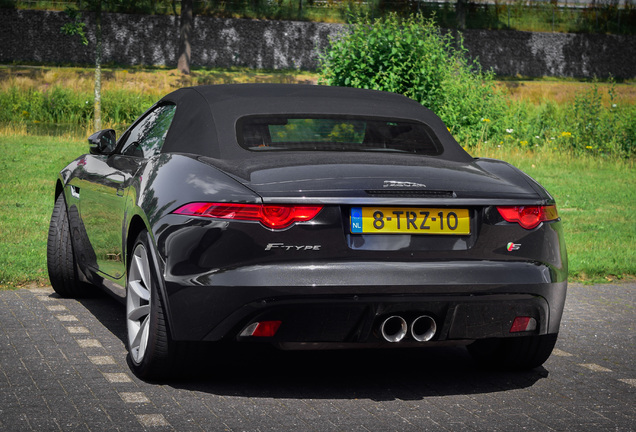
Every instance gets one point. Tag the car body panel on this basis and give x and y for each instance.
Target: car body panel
(279, 178)
(328, 284)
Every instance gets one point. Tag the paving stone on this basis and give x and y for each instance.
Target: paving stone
(117, 377)
(49, 382)
(77, 330)
(134, 397)
(152, 420)
(89, 343)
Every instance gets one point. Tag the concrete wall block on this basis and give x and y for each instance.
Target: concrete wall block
(35, 37)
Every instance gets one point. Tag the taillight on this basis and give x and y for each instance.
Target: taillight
(271, 216)
(528, 216)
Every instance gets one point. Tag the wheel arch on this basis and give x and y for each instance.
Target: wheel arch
(136, 226)
(59, 188)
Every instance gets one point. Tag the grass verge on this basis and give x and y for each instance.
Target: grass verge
(596, 199)
(28, 168)
(597, 118)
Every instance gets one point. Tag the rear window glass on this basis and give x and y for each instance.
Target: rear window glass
(336, 133)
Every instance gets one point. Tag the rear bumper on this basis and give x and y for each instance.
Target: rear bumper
(357, 320)
(343, 303)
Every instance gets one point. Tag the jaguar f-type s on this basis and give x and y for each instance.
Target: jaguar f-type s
(308, 217)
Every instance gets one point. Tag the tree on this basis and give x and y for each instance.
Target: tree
(460, 13)
(77, 27)
(186, 26)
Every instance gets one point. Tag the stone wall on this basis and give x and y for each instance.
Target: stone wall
(35, 37)
(553, 54)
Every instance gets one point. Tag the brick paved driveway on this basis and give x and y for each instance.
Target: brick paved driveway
(63, 367)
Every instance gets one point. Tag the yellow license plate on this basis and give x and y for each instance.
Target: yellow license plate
(409, 220)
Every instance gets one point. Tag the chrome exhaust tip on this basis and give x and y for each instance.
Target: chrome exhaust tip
(423, 328)
(394, 328)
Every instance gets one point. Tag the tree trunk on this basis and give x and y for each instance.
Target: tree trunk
(460, 14)
(98, 66)
(185, 33)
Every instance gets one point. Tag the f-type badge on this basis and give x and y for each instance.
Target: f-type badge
(513, 246)
(271, 246)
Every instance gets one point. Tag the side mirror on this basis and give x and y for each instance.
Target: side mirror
(102, 142)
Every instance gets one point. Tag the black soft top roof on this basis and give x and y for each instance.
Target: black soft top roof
(206, 116)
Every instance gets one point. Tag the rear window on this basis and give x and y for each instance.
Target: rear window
(336, 133)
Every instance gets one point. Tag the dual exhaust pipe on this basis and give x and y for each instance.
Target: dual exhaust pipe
(395, 328)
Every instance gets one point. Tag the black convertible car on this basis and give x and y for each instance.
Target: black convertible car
(308, 217)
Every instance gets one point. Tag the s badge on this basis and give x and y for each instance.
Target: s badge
(513, 246)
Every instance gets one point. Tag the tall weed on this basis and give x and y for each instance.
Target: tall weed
(597, 119)
(61, 105)
(585, 126)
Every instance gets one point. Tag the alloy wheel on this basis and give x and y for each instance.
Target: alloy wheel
(138, 303)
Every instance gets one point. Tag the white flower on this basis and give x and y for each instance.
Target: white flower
(510, 130)
(537, 137)
(613, 105)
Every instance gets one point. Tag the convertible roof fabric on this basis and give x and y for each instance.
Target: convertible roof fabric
(206, 116)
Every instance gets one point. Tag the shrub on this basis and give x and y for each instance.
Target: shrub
(411, 56)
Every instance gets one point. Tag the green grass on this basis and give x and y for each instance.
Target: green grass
(28, 169)
(61, 98)
(598, 207)
(596, 199)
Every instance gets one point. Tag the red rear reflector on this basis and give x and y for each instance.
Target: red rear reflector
(523, 324)
(271, 216)
(266, 328)
(528, 216)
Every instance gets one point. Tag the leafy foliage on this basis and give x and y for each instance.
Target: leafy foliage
(603, 129)
(411, 56)
(599, 121)
(76, 26)
(415, 58)
(60, 105)
(586, 126)
(606, 16)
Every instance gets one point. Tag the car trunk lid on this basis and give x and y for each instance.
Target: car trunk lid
(358, 178)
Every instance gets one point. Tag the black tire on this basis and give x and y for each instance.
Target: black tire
(151, 352)
(60, 257)
(517, 353)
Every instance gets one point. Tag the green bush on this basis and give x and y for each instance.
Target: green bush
(411, 56)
